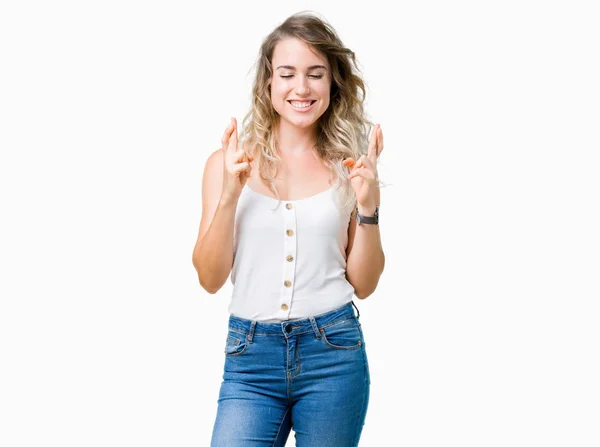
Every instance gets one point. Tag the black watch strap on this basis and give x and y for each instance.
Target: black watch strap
(373, 220)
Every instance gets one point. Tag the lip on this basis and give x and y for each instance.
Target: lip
(302, 100)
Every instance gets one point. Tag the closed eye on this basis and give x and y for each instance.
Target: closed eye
(310, 76)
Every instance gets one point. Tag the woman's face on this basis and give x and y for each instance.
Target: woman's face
(301, 84)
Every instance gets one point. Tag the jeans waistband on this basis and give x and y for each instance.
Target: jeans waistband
(291, 327)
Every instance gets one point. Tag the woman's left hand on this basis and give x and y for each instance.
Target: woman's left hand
(363, 175)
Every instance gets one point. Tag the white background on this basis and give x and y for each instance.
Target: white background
(484, 328)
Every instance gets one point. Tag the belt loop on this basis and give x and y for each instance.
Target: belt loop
(315, 327)
(251, 331)
(358, 316)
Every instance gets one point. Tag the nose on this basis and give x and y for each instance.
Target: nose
(302, 86)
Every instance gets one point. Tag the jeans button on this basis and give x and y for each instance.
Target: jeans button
(288, 329)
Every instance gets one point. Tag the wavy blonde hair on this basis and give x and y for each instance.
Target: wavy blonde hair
(343, 128)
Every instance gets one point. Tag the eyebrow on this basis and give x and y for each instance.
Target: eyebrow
(312, 67)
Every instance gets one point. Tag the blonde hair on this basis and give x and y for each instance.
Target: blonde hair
(343, 128)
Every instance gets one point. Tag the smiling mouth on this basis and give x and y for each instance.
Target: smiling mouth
(303, 104)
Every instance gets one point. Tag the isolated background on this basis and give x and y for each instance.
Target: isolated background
(484, 328)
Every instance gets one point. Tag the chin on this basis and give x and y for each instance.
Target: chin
(303, 123)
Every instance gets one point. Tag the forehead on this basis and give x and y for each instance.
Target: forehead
(292, 51)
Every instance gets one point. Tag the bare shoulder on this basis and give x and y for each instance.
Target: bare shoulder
(212, 186)
(212, 179)
(213, 159)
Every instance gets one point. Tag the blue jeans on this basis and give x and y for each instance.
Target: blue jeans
(311, 374)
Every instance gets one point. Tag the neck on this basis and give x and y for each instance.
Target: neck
(295, 140)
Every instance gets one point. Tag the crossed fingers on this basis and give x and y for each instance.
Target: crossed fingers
(370, 160)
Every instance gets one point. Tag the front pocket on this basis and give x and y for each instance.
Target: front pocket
(343, 335)
(236, 344)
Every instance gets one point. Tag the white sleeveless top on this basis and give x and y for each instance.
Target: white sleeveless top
(289, 260)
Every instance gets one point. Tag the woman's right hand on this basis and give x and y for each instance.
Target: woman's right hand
(236, 164)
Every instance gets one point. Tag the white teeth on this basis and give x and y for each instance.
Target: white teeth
(301, 105)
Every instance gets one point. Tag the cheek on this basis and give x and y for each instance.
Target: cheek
(276, 97)
(326, 95)
(277, 88)
(325, 91)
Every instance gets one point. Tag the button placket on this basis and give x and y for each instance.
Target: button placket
(288, 258)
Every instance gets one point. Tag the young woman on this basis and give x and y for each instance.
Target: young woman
(279, 212)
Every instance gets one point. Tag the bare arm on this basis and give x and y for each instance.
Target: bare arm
(225, 174)
(213, 252)
(364, 255)
(365, 258)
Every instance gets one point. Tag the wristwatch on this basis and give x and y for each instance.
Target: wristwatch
(368, 219)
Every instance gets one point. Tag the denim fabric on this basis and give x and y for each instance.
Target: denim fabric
(309, 374)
